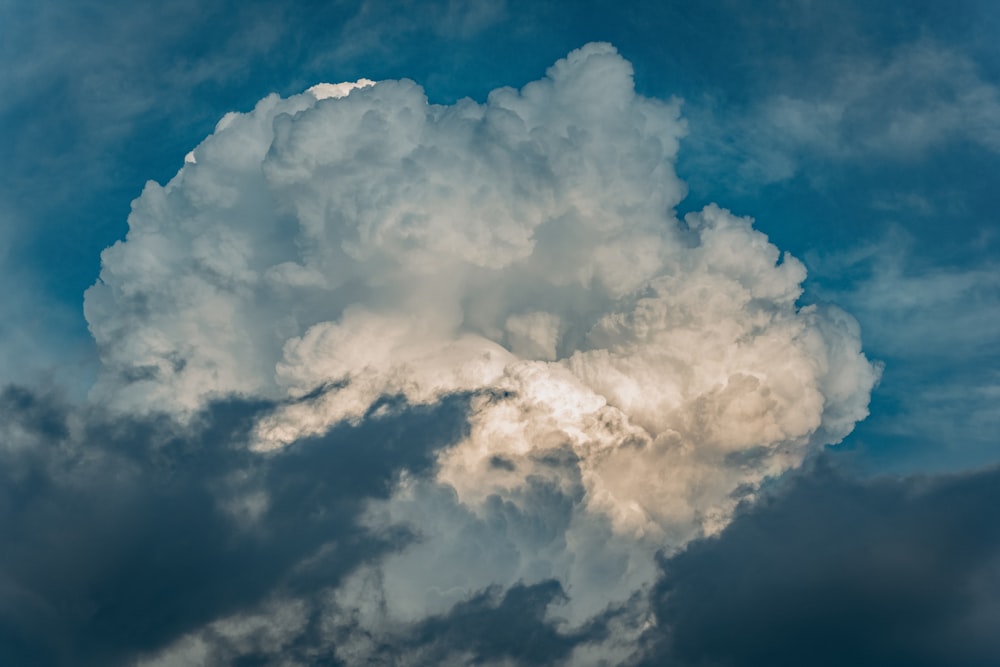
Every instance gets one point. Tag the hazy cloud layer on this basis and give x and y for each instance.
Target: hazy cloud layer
(634, 375)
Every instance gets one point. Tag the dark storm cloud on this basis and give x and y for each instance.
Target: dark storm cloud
(492, 626)
(122, 535)
(839, 572)
(513, 627)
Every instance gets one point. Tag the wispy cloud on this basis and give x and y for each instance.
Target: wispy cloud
(921, 97)
(935, 326)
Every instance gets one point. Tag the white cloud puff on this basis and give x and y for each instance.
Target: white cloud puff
(642, 371)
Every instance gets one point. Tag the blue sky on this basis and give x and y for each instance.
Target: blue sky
(862, 138)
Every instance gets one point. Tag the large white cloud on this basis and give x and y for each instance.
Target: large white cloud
(636, 374)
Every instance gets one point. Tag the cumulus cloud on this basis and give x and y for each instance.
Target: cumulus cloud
(632, 375)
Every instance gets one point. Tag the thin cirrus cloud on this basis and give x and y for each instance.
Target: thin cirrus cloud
(630, 375)
(926, 321)
(895, 107)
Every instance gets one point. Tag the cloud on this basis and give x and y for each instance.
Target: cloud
(832, 572)
(915, 310)
(632, 375)
(124, 534)
(70, 97)
(922, 96)
(895, 108)
(375, 24)
(934, 327)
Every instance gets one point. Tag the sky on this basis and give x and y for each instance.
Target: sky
(477, 332)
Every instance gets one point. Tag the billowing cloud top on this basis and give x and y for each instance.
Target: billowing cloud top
(634, 374)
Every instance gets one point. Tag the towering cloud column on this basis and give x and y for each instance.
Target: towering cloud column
(633, 375)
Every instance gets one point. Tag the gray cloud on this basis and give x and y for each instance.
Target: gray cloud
(129, 536)
(123, 534)
(833, 571)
